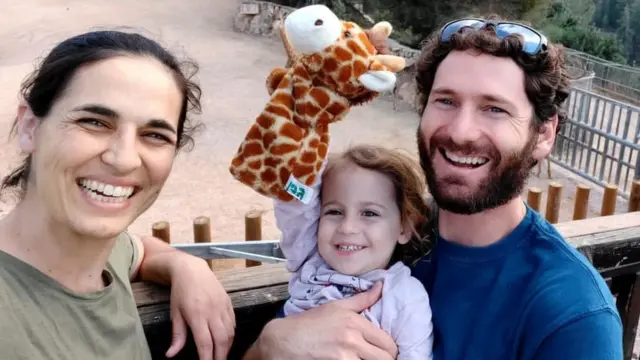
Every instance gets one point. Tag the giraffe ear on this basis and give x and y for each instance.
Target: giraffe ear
(382, 29)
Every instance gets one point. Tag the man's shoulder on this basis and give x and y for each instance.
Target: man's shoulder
(564, 285)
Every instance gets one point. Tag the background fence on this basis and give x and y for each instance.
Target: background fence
(600, 140)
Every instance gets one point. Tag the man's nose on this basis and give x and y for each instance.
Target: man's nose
(463, 127)
(123, 154)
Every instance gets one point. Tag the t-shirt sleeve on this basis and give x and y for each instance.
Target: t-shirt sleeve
(593, 336)
(124, 255)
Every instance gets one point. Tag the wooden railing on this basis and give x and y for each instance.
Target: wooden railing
(610, 242)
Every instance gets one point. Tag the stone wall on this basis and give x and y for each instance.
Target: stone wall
(260, 17)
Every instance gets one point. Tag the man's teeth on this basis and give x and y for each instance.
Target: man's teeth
(350, 247)
(102, 190)
(465, 160)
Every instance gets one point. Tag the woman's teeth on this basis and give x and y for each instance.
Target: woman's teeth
(106, 192)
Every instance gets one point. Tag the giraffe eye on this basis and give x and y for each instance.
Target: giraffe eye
(347, 34)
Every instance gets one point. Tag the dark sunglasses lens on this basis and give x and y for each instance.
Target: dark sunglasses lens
(531, 39)
(455, 26)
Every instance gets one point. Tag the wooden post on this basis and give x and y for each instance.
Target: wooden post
(534, 198)
(162, 231)
(581, 205)
(202, 232)
(634, 199)
(554, 197)
(253, 231)
(609, 200)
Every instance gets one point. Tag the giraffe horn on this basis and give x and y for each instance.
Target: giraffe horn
(287, 46)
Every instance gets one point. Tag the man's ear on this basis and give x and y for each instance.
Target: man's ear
(546, 138)
(27, 125)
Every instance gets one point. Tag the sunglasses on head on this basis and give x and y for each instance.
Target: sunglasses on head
(533, 41)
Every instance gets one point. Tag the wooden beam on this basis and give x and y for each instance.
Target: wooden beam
(233, 280)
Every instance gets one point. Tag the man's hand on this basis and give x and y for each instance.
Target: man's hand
(199, 301)
(332, 331)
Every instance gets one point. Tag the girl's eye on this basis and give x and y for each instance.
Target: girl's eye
(332, 212)
(369, 213)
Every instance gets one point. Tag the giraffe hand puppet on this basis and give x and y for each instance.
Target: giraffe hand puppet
(335, 65)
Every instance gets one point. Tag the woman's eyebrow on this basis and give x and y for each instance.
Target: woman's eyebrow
(110, 113)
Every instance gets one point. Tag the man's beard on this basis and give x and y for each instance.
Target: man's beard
(507, 176)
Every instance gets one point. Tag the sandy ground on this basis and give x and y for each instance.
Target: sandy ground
(233, 69)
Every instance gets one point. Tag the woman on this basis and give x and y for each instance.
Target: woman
(101, 121)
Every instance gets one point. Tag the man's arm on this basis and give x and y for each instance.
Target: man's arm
(332, 331)
(593, 336)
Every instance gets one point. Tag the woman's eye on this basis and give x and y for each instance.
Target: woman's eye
(369, 213)
(92, 122)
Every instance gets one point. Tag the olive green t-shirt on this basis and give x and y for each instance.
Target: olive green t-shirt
(40, 319)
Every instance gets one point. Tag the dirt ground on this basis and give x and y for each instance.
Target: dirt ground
(233, 67)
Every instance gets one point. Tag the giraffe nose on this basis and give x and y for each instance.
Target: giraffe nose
(319, 22)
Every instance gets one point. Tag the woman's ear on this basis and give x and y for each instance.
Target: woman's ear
(27, 125)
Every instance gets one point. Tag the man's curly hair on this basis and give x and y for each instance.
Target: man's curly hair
(547, 82)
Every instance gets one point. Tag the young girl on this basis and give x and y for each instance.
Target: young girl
(355, 231)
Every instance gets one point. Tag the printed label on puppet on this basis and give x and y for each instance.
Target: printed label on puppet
(298, 190)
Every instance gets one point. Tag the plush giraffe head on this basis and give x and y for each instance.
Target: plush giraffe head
(334, 65)
(341, 55)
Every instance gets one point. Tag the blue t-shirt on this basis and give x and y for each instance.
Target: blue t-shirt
(528, 296)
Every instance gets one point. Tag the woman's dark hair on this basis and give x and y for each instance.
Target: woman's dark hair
(43, 86)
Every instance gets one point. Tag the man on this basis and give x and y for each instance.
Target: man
(503, 283)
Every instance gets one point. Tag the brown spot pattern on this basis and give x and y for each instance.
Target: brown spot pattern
(342, 55)
(247, 177)
(283, 99)
(282, 149)
(252, 149)
(268, 139)
(345, 73)
(359, 68)
(272, 162)
(355, 48)
(330, 65)
(278, 111)
(302, 170)
(320, 96)
(255, 165)
(291, 131)
(308, 157)
(265, 121)
(268, 175)
(367, 44)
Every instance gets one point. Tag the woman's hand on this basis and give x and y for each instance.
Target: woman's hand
(199, 301)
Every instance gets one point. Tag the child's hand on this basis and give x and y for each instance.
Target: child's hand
(199, 301)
